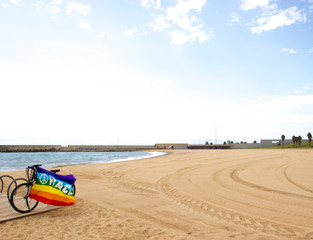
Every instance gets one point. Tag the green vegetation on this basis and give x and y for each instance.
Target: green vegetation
(309, 138)
(293, 145)
(303, 145)
(283, 139)
(297, 143)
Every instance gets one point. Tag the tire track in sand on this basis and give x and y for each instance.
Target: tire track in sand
(295, 183)
(126, 184)
(235, 177)
(209, 209)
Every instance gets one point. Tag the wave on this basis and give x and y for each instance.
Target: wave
(19, 161)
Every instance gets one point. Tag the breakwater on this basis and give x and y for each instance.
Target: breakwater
(75, 148)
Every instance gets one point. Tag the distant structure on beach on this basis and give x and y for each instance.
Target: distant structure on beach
(263, 143)
(121, 148)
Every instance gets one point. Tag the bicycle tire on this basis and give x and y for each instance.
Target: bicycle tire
(3, 182)
(20, 201)
(1, 187)
(11, 184)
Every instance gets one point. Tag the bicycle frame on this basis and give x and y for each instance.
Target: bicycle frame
(31, 173)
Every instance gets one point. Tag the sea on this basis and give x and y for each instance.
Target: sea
(19, 161)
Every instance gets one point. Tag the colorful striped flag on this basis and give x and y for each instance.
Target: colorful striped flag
(53, 189)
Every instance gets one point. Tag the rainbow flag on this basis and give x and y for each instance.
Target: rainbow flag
(53, 189)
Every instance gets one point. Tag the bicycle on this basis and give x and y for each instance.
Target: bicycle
(19, 199)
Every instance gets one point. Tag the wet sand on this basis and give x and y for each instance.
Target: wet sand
(186, 194)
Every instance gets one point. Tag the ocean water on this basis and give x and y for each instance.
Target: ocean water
(19, 161)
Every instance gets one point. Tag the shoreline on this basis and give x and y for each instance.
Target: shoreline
(114, 161)
(127, 158)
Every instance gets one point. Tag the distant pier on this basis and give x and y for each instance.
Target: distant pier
(127, 148)
(75, 148)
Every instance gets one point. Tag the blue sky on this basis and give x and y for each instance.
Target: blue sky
(151, 71)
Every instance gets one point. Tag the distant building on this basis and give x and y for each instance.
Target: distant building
(263, 143)
(209, 146)
(171, 145)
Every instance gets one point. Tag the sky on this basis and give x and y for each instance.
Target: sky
(153, 71)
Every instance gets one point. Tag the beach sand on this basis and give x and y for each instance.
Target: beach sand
(186, 194)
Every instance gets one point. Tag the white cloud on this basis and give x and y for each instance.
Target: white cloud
(53, 7)
(271, 16)
(15, 2)
(4, 5)
(151, 3)
(84, 25)
(130, 32)
(245, 99)
(183, 18)
(181, 37)
(106, 35)
(281, 102)
(278, 18)
(38, 5)
(103, 34)
(288, 50)
(111, 36)
(261, 116)
(274, 106)
(302, 90)
(160, 23)
(180, 14)
(281, 112)
(234, 18)
(252, 4)
(81, 8)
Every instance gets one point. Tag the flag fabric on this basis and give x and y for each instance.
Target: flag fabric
(53, 189)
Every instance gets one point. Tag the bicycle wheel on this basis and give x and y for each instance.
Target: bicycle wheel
(13, 185)
(20, 201)
(1, 185)
(3, 182)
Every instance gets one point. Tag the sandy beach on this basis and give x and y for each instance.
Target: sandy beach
(186, 194)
